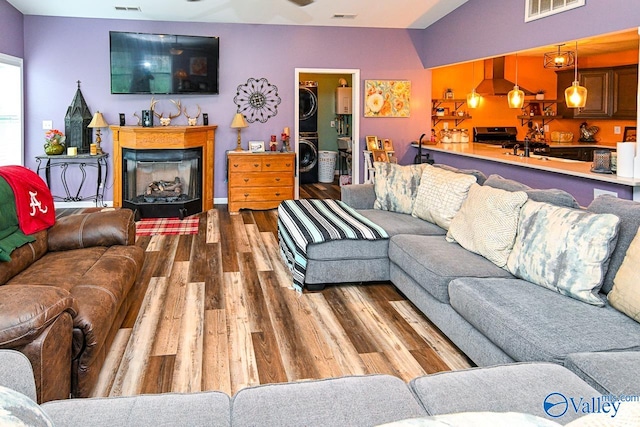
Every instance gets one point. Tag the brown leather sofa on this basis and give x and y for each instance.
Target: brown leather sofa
(64, 296)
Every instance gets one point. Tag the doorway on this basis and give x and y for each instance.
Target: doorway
(355, 116)
(11, 108)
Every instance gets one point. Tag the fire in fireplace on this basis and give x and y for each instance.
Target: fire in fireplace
(162, 183)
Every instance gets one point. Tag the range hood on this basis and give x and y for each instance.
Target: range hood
(494, 82)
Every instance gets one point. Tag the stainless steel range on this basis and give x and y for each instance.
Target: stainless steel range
(506, 137)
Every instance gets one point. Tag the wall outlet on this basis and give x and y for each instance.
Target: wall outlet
(47, 124)
(333, 123)
(616, 130)
(546, 128)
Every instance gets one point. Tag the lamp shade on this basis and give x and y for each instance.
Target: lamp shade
(515, 97)
(98, 121)
(239, 122)
(473, 99)
(575, 95)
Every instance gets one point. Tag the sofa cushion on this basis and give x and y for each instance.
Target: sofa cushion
(212, 408)
(393, 223)
(98, 278)
(553, 195)
(433, 262)
(520, 387)
(440, 195)
(532, 323)
(396, 186)
(610, 372)
(480, 177)
(625, 295)
(566, 250)
(487, 221)
(629, 213)
(346, 401)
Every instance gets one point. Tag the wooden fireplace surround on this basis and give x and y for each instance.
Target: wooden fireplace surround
(165, 138)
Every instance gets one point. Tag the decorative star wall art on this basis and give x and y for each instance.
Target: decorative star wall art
(257, 100)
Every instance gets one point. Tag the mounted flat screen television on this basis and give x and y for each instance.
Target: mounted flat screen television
(163, 64)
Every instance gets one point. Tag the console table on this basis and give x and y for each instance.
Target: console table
(81, 161)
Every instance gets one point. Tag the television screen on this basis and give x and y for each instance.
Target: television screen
(163, 64)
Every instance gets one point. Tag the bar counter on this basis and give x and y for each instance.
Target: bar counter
(536, 171)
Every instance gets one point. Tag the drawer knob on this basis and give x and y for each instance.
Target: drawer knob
(235, 165)
(277, 193)
(277, 179)
(268, 165)
(256, 165)
(246, 194)
(288, 164)
(246, 180)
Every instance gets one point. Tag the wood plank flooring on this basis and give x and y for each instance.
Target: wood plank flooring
(216, 312)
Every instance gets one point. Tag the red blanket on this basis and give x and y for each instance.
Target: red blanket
(34, 204)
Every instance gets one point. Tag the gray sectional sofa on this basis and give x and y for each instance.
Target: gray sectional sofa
(491, 315)
(367, 400)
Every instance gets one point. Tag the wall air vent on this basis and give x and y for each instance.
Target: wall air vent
(344, 16)
(128, 8)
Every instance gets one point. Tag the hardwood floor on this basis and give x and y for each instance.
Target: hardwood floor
(215, 311)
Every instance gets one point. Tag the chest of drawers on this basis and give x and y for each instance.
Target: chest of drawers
(259, 180)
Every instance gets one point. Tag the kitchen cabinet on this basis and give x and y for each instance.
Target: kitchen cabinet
(611, 93)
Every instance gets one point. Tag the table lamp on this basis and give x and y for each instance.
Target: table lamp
(239, 122)
(98, 122)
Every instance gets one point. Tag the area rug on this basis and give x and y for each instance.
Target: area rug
(159, 226)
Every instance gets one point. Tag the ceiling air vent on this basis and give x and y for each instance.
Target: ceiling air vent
(128, 8)
(344, 16)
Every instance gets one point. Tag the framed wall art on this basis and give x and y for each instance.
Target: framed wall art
(387, 98)
(372, 143)
(256, 146)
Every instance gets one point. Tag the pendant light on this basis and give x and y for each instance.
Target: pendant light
(559, 59)
(473, 98)
(515, 98)
(575, 95)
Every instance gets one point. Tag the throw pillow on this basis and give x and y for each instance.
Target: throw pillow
(553, 195)
(396, 186)
(629, 213)
(566, 250)
(440, 195)
(476, 419)
(16, 409)
(625, 295)
(487, 221)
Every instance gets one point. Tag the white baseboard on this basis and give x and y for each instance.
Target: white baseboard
(221, 201)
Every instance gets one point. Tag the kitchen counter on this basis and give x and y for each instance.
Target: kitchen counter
(578, 178)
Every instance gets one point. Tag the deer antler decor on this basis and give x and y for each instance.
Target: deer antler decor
(165, 121)
(192, 120)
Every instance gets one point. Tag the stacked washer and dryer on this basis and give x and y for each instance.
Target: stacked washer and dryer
(308, 128)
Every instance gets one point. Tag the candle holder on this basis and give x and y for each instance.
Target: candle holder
(285, 143)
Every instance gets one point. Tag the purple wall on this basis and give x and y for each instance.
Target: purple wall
(60, 51)
(482, 28)
(580, 188)
(11, 29)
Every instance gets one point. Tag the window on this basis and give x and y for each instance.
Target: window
(11, 111)
(535, 9)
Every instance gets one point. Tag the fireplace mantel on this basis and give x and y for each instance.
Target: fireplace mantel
(165, 138)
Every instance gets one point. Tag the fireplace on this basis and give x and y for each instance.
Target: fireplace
(164, 171)
(162, 183)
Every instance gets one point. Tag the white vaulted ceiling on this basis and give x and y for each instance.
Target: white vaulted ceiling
(414, 14)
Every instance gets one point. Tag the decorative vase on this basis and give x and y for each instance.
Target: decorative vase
(53, 149)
